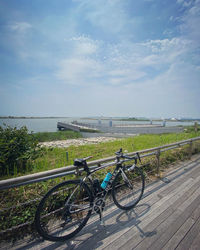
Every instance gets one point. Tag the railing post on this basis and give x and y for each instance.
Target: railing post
(195, 126)
(190, 149)
(158, 163)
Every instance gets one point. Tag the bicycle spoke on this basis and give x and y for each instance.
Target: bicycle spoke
(64, 210)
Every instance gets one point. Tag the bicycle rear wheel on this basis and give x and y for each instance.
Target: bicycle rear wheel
(128, 188)
(64, 211)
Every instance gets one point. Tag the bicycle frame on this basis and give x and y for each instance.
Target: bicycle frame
(119, 167)
(99, 198)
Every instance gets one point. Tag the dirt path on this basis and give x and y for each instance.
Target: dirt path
(77, 142)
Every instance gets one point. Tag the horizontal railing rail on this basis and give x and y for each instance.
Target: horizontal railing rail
(67, 170)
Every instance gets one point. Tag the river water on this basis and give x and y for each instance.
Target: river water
(50, 124)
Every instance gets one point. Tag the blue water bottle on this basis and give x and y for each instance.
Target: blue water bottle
(106, 180)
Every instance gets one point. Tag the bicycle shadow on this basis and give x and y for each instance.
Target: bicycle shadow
(94, 235)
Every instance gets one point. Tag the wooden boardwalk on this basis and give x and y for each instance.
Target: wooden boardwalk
(168, 217)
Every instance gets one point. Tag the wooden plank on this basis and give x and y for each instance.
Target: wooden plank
(190, 237)
(133, 222)
(128, 225)
(193, 172)
(179, 174)
(149, 225)
(124, 237)
(169, 227)
(180, 234)
(123, 234)
(183, 165)
(196, 243)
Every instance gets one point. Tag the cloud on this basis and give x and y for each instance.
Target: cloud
(94, 50)
(190, 20)
(84, 45)
(15, 36)
(107, 18)
(20, 27)
(166, 51)
(185, 3)
(79, 71)
(94, 62)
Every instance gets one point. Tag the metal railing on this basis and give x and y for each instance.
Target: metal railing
(67, 170)
(56, 173)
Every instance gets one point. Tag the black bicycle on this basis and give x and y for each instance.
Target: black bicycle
(66, 208)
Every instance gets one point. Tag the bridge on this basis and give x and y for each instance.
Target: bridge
(168, 217)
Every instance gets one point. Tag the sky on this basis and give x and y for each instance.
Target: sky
(136, 58)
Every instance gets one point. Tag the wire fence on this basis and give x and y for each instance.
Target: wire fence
(20, 215)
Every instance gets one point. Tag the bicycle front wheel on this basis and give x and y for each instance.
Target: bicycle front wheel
(64, 211)
(128, 188)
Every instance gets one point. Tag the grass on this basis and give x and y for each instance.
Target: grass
(56, 157)
(59, 135)
(52, 158)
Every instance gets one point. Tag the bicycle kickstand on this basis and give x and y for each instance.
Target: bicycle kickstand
(102, 223)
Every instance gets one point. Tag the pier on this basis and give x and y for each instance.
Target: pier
(75, 127)
(67, 126)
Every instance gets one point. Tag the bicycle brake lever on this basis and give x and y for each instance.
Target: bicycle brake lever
(119, 152)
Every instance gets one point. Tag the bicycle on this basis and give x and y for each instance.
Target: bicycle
(66, 208)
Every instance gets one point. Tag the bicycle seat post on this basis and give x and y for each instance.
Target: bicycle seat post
(81, 163)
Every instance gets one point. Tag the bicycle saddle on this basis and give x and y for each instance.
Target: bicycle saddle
(79, 162)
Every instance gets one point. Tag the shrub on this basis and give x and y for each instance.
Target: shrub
(17, 147)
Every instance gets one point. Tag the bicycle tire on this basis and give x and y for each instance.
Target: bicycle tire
(127, 193)
(55, 217)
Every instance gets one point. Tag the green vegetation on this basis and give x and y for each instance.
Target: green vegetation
(90, 130)
(51, 158)
(134, 119)
(59, 135)
(17, 149)
(56, 157)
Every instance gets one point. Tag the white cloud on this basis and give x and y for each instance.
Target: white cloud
(79, 71)
(190, 23)
(98, 63)
(20, 27)
(84, 45)
(185, 3)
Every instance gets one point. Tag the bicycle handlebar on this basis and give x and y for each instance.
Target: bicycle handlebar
(87, 158)
(119, 154)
